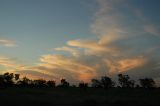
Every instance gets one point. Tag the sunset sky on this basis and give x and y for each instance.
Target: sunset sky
(80, 39)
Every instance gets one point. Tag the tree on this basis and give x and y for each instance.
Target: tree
(2, 82)
(147, 83)
(51, 83)
(40, 83)
(124, 81)
(64, 83)
(24, 82)
(17, 77)
(106, 82)
(83, 85)
(131, 83)
(8, 79)
(96, 83)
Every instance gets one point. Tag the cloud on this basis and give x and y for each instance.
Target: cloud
(61, 65)
(7, 43)
(117, 48)
(152, 30)
(68, 49)
(121, 46)
(146, 22)
(108, 19)
(33, 72)
(9, 63)
(93, 47)
(118, 66)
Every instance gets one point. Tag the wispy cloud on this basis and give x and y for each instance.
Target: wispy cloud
(125, 64)
(11, 65)
(8, 62)
(94, 47)
(152, 30)
(119, 47)
(61, 65)
(68, 49)
(7, 43)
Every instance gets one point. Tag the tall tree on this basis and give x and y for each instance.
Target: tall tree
(64, 83)
(106, 82)
(51, 83)
(124, 81)
(147, 82)
(96, 83)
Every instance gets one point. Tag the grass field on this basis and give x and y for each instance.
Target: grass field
(79, 97)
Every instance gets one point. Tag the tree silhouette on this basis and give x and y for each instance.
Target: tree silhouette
(64, 83)
(17, 77)
(83, 85)
(2, 82)
(96, 83)
(14, 80)
(8, 79)
(51, 83)
(40, 83)
(107, 82)
(147, 83)
(104, 82)
(124, 81)
(24, 82)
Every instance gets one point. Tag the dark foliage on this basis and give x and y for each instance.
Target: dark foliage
(51, 83)
(24, 82)
(125, 82)
(64, 83)
(147, 83)
(83, 85)
(96, 83)
(40, 83)
(15, 80)
(107, 82)
(104, 82)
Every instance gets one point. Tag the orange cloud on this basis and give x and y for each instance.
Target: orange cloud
(9, 63)
(91, 57)
(93, 47)
(66, 64)
(123, 65)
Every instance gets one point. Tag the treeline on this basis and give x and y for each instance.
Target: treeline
(124, 81)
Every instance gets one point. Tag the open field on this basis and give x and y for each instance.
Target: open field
(79, 97)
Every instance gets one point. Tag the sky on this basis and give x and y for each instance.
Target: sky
(80, 39)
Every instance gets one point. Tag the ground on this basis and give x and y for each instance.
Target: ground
(79, 97)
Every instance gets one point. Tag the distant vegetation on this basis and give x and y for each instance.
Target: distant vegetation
(16, 91)
(14, 80)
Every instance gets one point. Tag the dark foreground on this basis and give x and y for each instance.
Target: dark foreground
(79, 97)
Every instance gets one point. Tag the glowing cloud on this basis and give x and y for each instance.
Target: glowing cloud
(123, 65)
(61, 65)
(119, 47)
